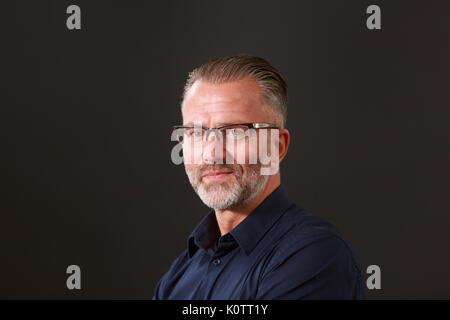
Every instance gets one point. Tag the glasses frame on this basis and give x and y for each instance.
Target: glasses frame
(252, 125)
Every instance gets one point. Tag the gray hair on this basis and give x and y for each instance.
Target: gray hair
(233, 68)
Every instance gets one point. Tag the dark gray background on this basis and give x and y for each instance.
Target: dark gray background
(86, 116)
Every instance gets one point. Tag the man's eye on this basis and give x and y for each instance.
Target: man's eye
(197, 133)
(193, 132)
(235, 132)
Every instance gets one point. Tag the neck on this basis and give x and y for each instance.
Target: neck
(228, 219)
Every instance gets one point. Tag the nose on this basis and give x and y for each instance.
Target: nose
(213, 148)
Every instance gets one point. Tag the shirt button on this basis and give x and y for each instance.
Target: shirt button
(216, 262)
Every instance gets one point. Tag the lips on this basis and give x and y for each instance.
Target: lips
(216, 173)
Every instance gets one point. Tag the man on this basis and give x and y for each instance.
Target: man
(254, 243)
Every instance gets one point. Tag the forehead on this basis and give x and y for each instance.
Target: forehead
(229, 102)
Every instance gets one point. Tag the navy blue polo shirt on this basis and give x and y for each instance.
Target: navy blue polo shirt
(279, 251)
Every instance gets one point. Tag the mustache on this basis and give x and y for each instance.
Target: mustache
(202, 169)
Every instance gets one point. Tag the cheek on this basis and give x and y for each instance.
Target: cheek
(240, 171)
(241, 152)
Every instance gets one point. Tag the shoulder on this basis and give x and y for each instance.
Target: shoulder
(311, 242)
(311, 259)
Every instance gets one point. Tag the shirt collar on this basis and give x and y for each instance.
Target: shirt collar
(205, 234)
(247, 233)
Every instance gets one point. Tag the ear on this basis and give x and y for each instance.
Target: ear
(284, 139)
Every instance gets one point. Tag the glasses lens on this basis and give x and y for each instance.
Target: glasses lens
(193, 134)
(236, 132)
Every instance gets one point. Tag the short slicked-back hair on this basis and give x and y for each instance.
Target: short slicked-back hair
(241, 66)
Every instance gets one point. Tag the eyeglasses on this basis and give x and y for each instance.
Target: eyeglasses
(235, 132)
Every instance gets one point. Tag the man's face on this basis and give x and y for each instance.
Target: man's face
(224, 186)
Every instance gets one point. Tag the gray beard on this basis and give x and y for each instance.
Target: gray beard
(229, 195)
